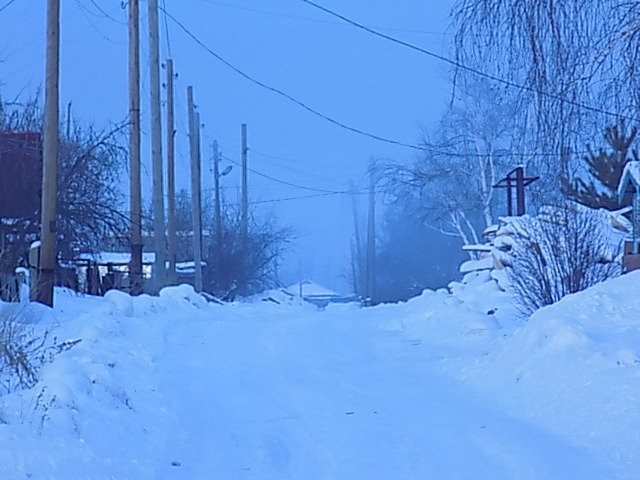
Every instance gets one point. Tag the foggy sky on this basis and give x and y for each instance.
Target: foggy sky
(347, 74)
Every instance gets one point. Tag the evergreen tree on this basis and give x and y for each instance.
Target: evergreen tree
(605, 169)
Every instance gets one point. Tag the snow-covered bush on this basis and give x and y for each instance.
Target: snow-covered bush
(24, 349)
(560, 251)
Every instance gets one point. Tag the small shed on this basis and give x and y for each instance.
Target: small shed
(630, 183)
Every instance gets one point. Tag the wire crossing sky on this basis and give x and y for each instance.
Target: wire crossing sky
(336, 72)
(426, 148)
(466, 67)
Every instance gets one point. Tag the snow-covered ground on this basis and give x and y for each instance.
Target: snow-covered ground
(446, 386)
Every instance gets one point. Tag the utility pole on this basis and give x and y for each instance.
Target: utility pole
(194, 144)
(371, 238)
(135, 267)
(46, 275)
(171, 175)
(356, 249)
(216, 186)
(244, 214)
(156, 148)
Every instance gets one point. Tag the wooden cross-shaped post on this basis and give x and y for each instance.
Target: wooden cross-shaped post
(515, 179)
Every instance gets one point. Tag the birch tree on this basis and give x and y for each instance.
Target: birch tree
(576, 60)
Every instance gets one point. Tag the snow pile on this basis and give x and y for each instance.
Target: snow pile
(448, 385)
(573, 367)
(99, 396)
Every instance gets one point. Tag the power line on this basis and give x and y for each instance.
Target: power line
(302, 172)
(287, 199)
(286, 95)
(288, 183)
(105, 14)
(166, 28)
(6, 5)
(466, 67)
(85, 11)
(317, 20)
(340, 124)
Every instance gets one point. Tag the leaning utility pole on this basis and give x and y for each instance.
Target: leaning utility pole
(216, 187)
(159, 270)
(46, 275)
(171, 176)
(194, 144)
(244, 213)
(371, 238)
(135, 267)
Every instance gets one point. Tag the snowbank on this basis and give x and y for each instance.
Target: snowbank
(447, 385)
(94, 410)
(573, 367)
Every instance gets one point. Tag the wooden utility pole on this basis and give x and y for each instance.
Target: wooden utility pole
(371, 239)
(46, 276)
(216, 187)
(135, 267)
(194, 144)
(171, 176)
(244, 214)
(356, 248)
(159, 270)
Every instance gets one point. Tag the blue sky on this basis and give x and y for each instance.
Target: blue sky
(341, 71)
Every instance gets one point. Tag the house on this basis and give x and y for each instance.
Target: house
(630, 183)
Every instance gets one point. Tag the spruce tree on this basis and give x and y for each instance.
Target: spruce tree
(604, 168)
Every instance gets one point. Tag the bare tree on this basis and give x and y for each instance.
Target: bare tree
(228, 271)
(577, 61)
(561, 251)
(469, 153)
(90, 204)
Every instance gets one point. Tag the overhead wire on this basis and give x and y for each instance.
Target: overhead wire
(303, 197)
(301, 172)
(284, 94)
(7, 5)
(166, 28)
(462, 66)
(317, 20)
(283, 182)
(423, 148)
(85, 12)
(105, 14)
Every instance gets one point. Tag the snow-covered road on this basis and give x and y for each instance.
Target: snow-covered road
(321, 395)
(443, 387)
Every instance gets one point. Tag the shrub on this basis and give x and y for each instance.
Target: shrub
(24, 350)
(561, 251)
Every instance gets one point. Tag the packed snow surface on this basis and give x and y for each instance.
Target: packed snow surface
(446, 386)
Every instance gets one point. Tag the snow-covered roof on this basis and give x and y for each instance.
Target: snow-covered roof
(311, 288)
(188, 267)
(121, 258)
(630, 174)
